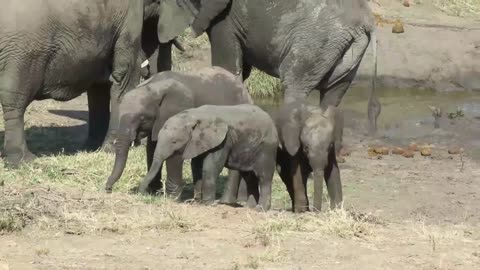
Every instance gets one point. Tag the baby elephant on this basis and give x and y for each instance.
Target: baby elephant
(241, 137)
(307, 145)
(144, 110)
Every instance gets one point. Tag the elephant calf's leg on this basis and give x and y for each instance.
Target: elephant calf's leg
(334, 184)
(231, 188)
(299, 184)
(212, 167)
(175, 183)
(197, 167)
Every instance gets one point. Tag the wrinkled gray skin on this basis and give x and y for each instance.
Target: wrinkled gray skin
(144, 110)
(308, 44)
(240, 137)
(59, 49)
(307, 141)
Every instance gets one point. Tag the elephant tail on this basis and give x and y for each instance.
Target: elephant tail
(374, 106)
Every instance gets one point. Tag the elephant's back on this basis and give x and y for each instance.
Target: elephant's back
(210, 86)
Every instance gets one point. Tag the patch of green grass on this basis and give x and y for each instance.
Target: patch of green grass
(262, 85)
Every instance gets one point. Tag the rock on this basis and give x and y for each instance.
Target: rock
(398, 151)
(372, 153)
(413, 147)
(344, 152)
(408, 154)
(398, 27)
(426, 152)
(455, 150)
(382, 150)
(406, 3)
(341, 159)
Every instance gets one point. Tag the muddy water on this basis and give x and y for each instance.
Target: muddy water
(406, 117)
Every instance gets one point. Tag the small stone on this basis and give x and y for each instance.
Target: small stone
(406, 3)
(398, 151)
(372, 153)
(341, 160)
(398, 27)
(344, 152)
(382, 150)
(413, 147)
(426, 152)
(408, 154)
(455, 150)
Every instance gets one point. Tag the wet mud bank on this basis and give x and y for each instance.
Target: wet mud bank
(426, 56)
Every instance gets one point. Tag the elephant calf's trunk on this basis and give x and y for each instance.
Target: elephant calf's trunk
(121, 156)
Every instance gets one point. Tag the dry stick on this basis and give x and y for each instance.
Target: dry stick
(461, 162)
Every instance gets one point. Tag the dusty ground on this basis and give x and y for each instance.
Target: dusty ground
(399, 213)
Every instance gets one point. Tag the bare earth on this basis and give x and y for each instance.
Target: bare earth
(399, 213)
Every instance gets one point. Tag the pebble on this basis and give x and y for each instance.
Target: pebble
(426, 152)
(408, 154)
(398, 151)
(344, 152)
(413, 147)
(455, 150)
(398, 27)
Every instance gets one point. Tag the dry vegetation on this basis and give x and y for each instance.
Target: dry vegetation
(455, 7)
(55, 215)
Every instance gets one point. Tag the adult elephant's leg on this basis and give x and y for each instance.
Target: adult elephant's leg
(125, 75)
(14, 104)
(225, 48)
(227, 53)
(301, 73)
(333, 97)
(98, 115)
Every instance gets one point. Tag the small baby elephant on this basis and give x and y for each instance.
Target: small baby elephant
(307, 145)
(144, 110)
(240, 137)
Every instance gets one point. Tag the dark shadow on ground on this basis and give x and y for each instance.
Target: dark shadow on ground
(79, 115)
(54, 140)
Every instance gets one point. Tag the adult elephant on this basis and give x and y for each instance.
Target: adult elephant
(308, 44)
(59, 49)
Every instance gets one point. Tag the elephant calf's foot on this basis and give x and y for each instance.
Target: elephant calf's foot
(15, 159)
(227, 199)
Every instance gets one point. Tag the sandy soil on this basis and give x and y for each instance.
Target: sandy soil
(400, 213)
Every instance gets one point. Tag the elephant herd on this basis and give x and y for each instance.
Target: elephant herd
(56, 49)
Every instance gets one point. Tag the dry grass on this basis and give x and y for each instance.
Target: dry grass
(459, 8)
(74, 212)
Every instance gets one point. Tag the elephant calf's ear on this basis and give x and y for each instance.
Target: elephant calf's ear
(206, 135)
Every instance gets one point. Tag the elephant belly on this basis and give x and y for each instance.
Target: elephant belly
(68, 77)
(243, 157)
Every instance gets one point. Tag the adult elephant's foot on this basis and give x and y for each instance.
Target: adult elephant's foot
(92, 144)
(15, 159)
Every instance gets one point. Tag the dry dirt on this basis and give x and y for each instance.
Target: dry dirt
(399, 213)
